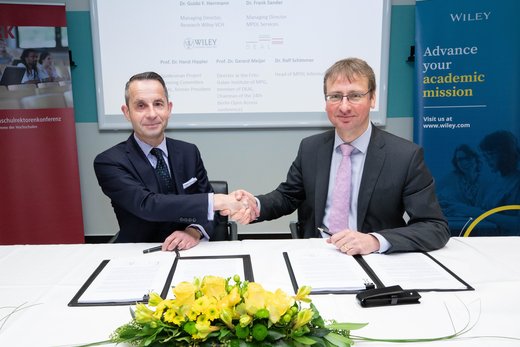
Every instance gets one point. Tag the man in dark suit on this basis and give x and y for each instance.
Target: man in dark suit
(158, 186)
(388, 177)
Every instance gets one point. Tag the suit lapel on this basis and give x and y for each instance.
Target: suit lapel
(373, 165)
(323, 160)
(141, 165)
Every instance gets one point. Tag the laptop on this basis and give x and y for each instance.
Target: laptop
(12, 75)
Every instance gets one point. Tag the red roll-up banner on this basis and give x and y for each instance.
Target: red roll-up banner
(40, 199)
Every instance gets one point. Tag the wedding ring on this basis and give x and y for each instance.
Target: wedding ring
(344, 248)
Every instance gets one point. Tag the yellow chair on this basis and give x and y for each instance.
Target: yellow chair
(488, 213)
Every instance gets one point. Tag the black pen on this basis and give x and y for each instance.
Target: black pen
(158, 248)
(153, 249)
(324, 230)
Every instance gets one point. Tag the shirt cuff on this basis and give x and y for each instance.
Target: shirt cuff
(384, 245)
(200, 229)
(211, 212)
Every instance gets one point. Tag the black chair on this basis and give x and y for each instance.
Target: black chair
(295, 230)
(223, 228)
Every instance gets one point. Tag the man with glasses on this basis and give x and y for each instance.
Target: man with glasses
(386, 177)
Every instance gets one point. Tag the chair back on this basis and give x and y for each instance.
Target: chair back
(221, 231)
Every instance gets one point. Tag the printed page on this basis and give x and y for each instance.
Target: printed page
(327, 269)
(129, 279)
(412, 270)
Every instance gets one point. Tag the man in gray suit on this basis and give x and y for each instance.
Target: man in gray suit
(388, 177)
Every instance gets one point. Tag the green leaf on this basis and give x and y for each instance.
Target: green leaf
(338, 340)
(346, 326)
(304, 340)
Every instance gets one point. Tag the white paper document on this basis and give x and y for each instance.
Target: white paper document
(412, 270)
(327, 270)
(129, 279)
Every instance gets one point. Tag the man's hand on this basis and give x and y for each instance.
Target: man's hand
(238, 205)
(353, 242)
(181, 239)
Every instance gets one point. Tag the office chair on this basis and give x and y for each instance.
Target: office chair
(295, 230)
(223, 228)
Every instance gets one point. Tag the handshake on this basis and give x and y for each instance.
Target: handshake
(239, 205)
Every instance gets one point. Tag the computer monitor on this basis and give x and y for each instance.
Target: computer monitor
(12, 75)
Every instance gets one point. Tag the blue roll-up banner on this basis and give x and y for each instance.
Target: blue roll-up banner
(467, 110)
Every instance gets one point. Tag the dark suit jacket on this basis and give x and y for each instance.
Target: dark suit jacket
(395, 179)
(144, 215)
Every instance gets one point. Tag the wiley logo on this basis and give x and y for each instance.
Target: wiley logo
(469, 17)
(190, 43)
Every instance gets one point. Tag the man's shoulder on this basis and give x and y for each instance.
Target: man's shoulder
(319, 138)
(115, 151)
(181, 143)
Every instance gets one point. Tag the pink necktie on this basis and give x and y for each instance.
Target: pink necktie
(338, 219)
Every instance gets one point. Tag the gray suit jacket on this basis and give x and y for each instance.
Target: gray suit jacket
(395, 180)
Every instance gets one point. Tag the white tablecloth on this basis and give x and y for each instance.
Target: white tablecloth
(42, 279)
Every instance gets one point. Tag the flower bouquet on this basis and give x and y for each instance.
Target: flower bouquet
(216, 311)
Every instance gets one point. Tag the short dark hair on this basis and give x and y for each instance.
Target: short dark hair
(149, 75)
(351, 68)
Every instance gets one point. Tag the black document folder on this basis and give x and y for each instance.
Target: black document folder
(414, 271)
(102, 282)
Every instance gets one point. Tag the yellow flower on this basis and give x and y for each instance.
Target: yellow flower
(211, 312)
(277, 304)
(161, 306)
(204, 328)
(173, 317)
(231, 299)
(226, 315)
(303, 317)
(143, 314)
(254, 298)
(154, 299)
(213, 286)
(201, 304)
(303, 294)
(184, 294)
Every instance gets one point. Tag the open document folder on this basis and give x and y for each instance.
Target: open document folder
(327, 270)
(126, 281)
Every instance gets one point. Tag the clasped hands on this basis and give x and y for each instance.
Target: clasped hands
(239, 205)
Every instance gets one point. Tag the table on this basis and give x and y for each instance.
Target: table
(44, 278)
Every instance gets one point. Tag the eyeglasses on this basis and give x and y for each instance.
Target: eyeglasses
(353, 98)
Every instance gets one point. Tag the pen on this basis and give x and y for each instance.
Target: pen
(153, 249)
(324, 230)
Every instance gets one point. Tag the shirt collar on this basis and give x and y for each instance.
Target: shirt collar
(146, 148)
(360, 144)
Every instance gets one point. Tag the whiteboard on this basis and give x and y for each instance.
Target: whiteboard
(236, 64)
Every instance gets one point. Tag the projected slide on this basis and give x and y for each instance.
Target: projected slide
(235, 63)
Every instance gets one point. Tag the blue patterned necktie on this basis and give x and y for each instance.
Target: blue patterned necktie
(163, 174)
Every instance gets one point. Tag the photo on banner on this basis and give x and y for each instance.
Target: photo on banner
(467, 111)
(41, 201)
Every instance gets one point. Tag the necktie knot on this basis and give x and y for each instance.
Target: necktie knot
(157, 153)
(346, 149)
